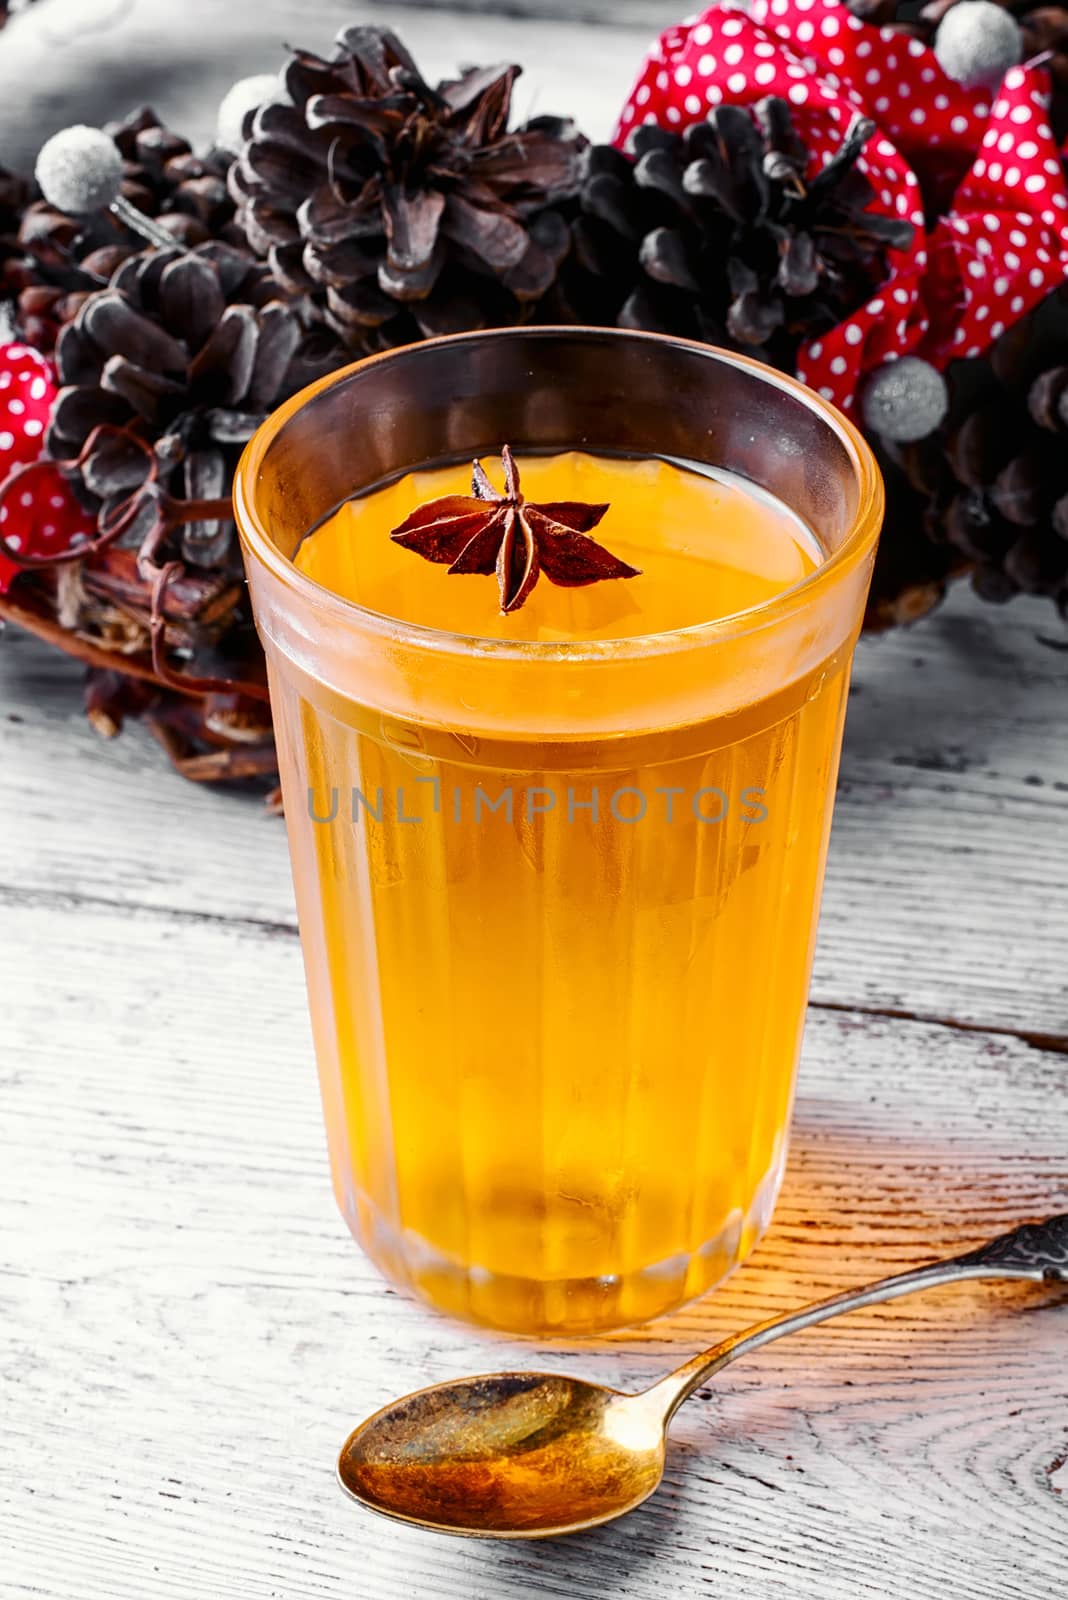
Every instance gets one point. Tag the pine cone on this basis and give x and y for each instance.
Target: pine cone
(1044, 28)
(720, 234)
(404, 211)
(990, 489)
(188, 351)
(60, 258)
(167, 373)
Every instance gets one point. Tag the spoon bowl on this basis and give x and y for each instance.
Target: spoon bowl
(520, 1455)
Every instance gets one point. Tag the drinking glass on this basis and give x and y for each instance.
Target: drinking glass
(557, 900)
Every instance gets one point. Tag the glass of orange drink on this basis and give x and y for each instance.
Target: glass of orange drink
(558, 868)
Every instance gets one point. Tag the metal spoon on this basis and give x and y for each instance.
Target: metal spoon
(526, 1455)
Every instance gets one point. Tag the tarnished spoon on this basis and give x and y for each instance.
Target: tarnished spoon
(525, 1455)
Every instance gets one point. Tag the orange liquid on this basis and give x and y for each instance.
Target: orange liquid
(558, 985)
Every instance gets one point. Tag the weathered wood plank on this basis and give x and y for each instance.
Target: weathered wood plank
(187, 1330)
(947, 888)
(89, 60)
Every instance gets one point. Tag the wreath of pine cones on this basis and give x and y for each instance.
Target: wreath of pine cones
(360, 208)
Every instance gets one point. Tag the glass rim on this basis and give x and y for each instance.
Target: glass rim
(867, 521)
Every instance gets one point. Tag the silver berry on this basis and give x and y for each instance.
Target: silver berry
(246, 95)
(79, 170)
(904, 400)
(977, 42)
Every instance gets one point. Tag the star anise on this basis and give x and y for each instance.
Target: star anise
(508, 535)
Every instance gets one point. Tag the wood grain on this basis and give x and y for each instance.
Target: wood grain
(188, 1331)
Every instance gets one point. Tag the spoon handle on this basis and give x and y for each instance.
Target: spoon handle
(1036, 1251)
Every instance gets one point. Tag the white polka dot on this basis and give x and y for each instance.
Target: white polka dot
(673, 114)
(56, 502)
(6, 440)
(901, 296)
(642, 96)
(864, 47)
(904, 89)
(706, 66)
(49, 527)
(1005, 143)
(997, 329)
(1001, 285)
(853, 334)
(875, 306)
(980, 168)
(713, 94)
(733, 25)
(872, 75)
(1034, 183)
(994, 170)
(976, 269)
(733, 54)
(1026, 149)
(38, 388)
(1016, 304)
(1036, 278)
(1011, 260)
(33, 427)
(838, 365)
(662, 80)
(827, 394)
(917, 116)
(1020, 114)
(764, 73)
(836, 56)
(16, 407)
(736, 83)
(959, 124)
(15, 541)
(1052, 168)
(702, 34)
(829, 27)
(26, 499)
(683, 75)
(916, 48)
(882, 104)
(693, 105)
(815, 349)
(1012, 176)
(798, 93)
(806, 31)
(764, 50)
(983, 246)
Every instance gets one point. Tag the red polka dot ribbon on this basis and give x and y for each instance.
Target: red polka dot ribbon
(1000, 243)
(38, 515)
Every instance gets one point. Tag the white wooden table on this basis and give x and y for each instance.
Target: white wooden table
(187, 1330)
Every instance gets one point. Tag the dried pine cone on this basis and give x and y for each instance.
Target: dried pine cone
(187, 352)
(990, 488)
(60, 259)
(719, 234)
(404, 210)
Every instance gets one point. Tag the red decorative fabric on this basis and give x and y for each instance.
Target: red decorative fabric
(38, 516)
(1000, 245)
